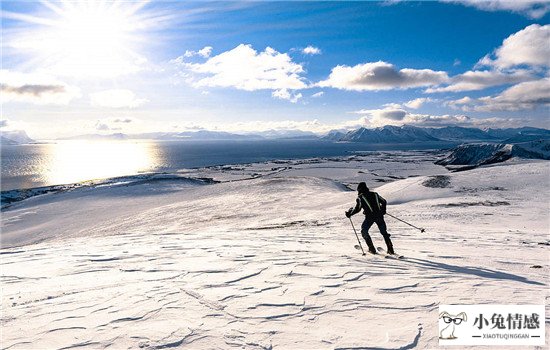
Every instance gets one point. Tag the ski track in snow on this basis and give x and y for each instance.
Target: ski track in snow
(269, 263)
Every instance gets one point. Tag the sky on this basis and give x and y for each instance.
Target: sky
(101, 67)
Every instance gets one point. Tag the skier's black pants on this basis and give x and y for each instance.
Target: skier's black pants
(367, 223)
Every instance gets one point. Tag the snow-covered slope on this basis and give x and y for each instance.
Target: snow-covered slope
(268, 262)
(489, 153)
(457, 133)
(334, 135)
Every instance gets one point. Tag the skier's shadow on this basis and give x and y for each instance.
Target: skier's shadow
(480, 272)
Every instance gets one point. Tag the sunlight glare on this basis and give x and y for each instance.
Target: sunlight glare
(76, 161)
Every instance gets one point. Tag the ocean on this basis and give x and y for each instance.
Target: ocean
(67, 162)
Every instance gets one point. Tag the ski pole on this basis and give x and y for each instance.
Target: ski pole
(356, 236)
(418, 228)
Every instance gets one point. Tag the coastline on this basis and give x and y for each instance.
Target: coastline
(165, 157)
(8, 197)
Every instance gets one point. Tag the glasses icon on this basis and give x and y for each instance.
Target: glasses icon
(456, 321)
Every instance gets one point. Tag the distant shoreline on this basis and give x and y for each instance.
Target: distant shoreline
(181, 155)
(11, 196)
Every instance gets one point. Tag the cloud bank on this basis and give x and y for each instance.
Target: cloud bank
(523, 60)
(246, 69)
(523, 96)
(381, 75)
(398, 117)
(528, 47)
(480, 80)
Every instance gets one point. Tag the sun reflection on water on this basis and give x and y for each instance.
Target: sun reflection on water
(76, 161)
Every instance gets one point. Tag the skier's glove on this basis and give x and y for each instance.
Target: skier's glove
(348, 213)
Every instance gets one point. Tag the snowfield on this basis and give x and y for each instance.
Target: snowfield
(265, 258)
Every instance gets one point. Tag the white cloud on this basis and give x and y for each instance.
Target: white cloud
(385, 116)
(100, 126)
(530, 8)
(522, 57)
(523, 96)
(530, 46)
(463, 103)
(116, 98)
(284, 94)
(244, 68)
(391, 114)
(35, 88)
(398, 117)
(123, 120)
(479, 80)
(438, 120)
(381, 76)
(204, 52)
(311, 50)
(417, 102)
(318, 94)
(393, 105)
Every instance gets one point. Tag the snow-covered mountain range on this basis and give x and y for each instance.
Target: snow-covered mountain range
(389, 134)
(408, 133)
(380, 135)
(472, 155)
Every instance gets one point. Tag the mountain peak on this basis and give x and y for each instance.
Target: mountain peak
(15, 137)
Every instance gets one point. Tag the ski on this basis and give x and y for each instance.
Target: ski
(389, 256)
(368, 252)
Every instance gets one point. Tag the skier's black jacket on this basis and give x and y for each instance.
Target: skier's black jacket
(374, 206)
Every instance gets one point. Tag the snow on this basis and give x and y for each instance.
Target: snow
(477, 154)
(265, 259)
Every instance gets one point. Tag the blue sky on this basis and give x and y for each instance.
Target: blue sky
(101, 67)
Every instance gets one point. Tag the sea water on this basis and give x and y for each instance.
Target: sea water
(66, 162)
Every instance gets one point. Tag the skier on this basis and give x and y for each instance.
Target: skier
(374, 208)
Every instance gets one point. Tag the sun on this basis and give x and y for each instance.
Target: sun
(93, 38)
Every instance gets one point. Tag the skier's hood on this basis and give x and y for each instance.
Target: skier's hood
(362, 187)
